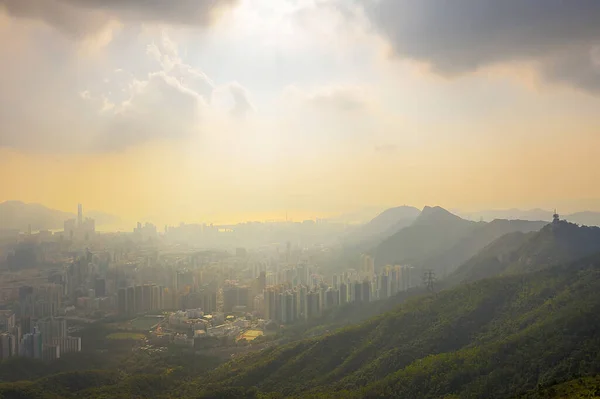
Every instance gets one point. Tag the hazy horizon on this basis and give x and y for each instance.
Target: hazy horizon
(354, 216)
(243, 110)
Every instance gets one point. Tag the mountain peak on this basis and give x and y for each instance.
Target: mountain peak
(435, 214)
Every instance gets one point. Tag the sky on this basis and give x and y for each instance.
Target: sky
(232, 110)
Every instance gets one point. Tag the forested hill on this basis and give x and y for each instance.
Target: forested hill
(494, 338)
(470, 245)
(519, 253)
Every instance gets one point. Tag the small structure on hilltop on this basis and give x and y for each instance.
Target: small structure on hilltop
(555, 218)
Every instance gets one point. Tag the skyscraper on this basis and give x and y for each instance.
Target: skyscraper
(122, 301)
(52, 328)
(79, 215)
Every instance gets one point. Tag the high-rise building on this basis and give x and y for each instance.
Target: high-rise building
(50, 352)
(100, 287)
(301, 292)
(313, 305)
(366, 291)
(122, 301)
(68, 344)
(8, 346)
(155, 304)
(31, 345)
(139, 298)
(147, 297)
(7, 320)
(330, 300)
(79, 215)
(26, 326)
(384, 286)
(343, 293)
(357, 292)
(235, 296)
(288, 307)
(52, 328)
(270, 296)
(131, 310)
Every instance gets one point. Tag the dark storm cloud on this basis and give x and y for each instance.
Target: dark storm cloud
(459, 36)
(80, 17)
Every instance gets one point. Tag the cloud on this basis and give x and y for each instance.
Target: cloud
(84, 17)
(49, 103)
(136, 121)
(460, 36)
(241, 99)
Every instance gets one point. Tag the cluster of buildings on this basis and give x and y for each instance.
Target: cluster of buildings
(45, 339)
(288, 302)
(146, 298)
(129, 274)
(80, 228)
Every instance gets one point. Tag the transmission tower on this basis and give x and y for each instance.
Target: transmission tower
(429, 279)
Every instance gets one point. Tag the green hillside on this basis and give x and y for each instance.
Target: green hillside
(517, 252)
(495, 338)
(470, 245)
(580, 388)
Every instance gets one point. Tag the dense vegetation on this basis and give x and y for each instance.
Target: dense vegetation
(580, 388)
(469, 246)
(519, 253)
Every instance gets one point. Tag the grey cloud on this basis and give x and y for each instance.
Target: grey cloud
(241, 99)
(136, 120)
(82, 17)
(43, 108)
(459, 36)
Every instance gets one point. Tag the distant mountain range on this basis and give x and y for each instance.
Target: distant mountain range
(18, 215)
(586, 218)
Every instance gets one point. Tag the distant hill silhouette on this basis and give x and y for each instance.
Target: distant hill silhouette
(585, 218)
(383, 225)
(19, 215)
(434, 231)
